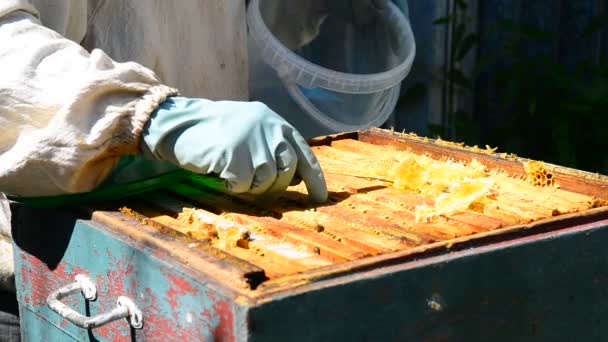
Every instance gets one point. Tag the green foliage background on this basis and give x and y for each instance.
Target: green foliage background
(548, 111)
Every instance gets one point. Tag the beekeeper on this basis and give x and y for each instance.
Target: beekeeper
(83, 83)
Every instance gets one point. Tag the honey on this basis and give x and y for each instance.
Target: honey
(537, 175)
(230, 234)
(383, 199)
(458, 198)
(454, 186)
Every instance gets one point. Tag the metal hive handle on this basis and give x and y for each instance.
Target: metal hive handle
(125, 307)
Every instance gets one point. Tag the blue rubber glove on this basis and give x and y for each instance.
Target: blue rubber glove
(245, 143)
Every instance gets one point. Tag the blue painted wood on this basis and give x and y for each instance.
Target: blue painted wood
(554, 288)
(549, 286)
(575, 18)
(491, 12)
(176, 307)
(565, 21)
(35, 328)
(543, 15)
(422, 89)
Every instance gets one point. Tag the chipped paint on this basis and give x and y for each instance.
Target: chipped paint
(407, 291)
(175, 307)
(178, 288)
(435, 303)
(224, 330)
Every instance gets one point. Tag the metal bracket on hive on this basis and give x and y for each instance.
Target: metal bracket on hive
(125, 307)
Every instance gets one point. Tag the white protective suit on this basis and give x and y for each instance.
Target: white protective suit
(50, 84)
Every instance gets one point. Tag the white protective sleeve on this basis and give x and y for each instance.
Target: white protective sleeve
(66, 116)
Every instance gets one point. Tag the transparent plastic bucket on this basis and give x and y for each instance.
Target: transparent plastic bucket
(343, 78)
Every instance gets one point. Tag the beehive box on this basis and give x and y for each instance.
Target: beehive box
(401, 207)
(388, 193)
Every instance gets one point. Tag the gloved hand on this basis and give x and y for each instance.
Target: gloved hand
(358, 12)
(245, 143)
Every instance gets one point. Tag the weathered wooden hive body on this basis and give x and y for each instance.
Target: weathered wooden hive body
(370, 263)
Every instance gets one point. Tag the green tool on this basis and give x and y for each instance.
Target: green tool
(118, 191)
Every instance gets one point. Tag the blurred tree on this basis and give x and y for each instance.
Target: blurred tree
(536, 100)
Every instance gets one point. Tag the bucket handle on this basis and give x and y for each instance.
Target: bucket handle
(298, 96)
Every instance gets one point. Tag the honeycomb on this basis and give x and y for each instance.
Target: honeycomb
(457, 198)
(537, 175)
(443, 175)
(454, 185)
(230, 234)
(408, 175)
(201, 224)
(429, 176)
